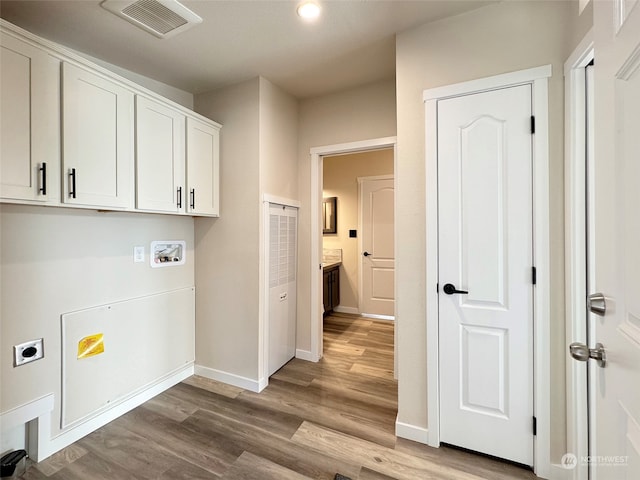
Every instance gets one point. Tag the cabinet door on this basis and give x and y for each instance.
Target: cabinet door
(326, 291)
(29, 122)
(203, 159)
(160, 152)
(97, 140)
(335, 288)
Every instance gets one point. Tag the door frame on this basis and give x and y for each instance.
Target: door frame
(360, 223)
(317, 154)
(538, 79)
(575, 249)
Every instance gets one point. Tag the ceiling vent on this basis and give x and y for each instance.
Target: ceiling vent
(162, 18)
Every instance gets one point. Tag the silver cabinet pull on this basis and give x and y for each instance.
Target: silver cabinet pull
(582, 353)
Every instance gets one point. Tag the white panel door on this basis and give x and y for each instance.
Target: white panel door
(378, 257)
(98, 145)
(615, 438)
(283, 245)
(203, 165)
(160, 152)
(485, 249)
(29, 122)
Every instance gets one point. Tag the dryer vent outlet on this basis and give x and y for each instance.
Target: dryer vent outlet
(28, 352)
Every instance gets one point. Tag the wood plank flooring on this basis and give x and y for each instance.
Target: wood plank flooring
(313, 420)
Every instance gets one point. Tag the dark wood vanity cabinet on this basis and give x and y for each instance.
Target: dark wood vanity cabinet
(331, 288)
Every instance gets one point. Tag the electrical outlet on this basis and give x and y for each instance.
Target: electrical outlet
(28, 352)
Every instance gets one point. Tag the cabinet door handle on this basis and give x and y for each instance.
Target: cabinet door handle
(43, 179)
(193, 198)
(72, 193)
(179, 197)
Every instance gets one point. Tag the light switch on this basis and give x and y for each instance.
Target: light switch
(138, 253)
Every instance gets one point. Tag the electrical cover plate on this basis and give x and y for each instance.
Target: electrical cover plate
(167, 253)
(28, 352)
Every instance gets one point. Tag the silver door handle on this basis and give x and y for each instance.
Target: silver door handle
(582, 353)
(597, 304)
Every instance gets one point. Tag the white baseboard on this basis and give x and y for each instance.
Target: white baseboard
(306, 355)
(262, 384)
(229, 378)
(389, 318)
(42, 445)
(558, 472)
(412, 432)
(351, 310)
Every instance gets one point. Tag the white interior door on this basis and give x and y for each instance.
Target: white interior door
(283, 234)
(485, 250)
(378, 257)
(615, 438)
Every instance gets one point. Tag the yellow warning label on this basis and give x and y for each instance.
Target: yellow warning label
(90, 346)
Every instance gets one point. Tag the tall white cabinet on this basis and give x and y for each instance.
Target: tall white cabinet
(29, 122)
(97, 158)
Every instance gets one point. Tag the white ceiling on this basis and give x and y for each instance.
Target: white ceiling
(353, 42)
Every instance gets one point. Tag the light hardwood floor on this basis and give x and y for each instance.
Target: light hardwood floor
(311, 422)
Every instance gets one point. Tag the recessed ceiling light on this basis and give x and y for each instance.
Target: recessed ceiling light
(308, 10)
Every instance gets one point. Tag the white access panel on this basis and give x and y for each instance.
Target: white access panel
(283, 241)
(111, 352)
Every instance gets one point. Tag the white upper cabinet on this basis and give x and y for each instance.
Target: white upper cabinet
(203, 168)
(160, 152)
(74, 134)
(97, 140)
(29, 122)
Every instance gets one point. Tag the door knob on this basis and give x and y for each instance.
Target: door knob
(450, 289)
(597, 304)
(366, 254)
(582, 353)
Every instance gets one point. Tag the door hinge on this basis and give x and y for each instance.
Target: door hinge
(533, 124)
(534, 275)
(437, 288)
(535, 426)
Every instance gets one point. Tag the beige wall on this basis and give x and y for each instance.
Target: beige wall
(340, 179)
(361, 113)
(258, 144)
(59, 260)
(172, 93)
(499, 38)
(227, 248)
(278, 141)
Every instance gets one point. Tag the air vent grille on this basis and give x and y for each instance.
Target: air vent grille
(162, 18)
(154, 15)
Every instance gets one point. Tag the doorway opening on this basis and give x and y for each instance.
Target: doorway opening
(358, 195)
(344, 225)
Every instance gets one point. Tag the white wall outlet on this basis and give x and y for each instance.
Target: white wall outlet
(138, 253)
(28, 352)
